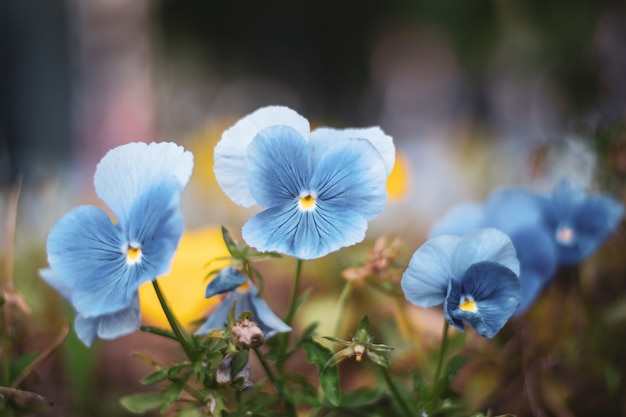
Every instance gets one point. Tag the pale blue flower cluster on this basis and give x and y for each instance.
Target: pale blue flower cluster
(547, 230)
(317, 189)
(98, 264)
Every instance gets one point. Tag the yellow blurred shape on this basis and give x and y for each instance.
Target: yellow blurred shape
(185, 285)
(398, 180)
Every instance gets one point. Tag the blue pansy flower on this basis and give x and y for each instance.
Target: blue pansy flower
(318, 189)
(246, 297)
(475, 277)
(579, 222)
(99, 264)
(515, 212)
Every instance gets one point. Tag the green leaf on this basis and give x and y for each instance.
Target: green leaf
(329, 376)
(171, 394)
(363, 397)
(156, 376)
(454, 365)
(189, 412)
(142, 402)
(239, 361)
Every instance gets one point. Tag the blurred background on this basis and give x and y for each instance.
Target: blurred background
(476, 94)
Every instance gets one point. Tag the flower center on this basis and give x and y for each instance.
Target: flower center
(467, 304)
(133, 254)
(306, 203)
(565, 235)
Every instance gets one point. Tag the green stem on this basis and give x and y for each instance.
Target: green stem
(341, 305)
(270, 375)
(294, 294)
(184, 338)
(396, 394)
(442, 352)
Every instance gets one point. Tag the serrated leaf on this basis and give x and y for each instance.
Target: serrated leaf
(142, 402)
(329, 376)
(171, 394)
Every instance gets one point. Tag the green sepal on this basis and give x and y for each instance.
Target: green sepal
(378, 358)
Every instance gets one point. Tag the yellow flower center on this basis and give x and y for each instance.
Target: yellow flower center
(565, 235)
(306, 203)
(468, 304)
(133, 254)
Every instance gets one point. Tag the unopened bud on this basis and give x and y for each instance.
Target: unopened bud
(248, 333)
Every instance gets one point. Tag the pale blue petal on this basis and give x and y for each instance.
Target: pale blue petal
(108, 326)
(459, 220)
(85, 250)
(156, 225)
(538, 256)
(128, 170)
(508, 209)
(279, 166)
(219, 317)
(231, 158)
(226, 280)
(86, 329)
(425, 281)
(304, 234)
(496, 291)
(123, 322)
(246, 300)
(323, 137)
(484, 245)
(62, 287)
(263, 315)
(351, 174)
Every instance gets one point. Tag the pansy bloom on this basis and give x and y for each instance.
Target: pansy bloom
(475, 277)
(515, 212)
(99, 264)
(579, 222)
(244, 295)
(317, 189)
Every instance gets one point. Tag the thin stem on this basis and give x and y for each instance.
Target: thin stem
(341, 305)
(442, 352)
(396, 394)
(294, 294)
(410, 331)
(10, 232)
(270, 375)
(184, 338)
